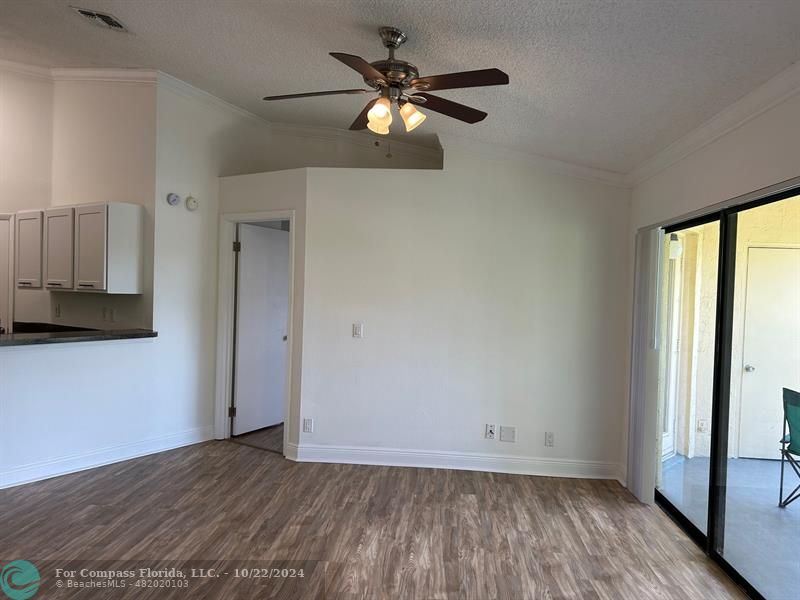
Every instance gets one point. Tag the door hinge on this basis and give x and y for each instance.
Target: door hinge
(231, 411)
(237, 246)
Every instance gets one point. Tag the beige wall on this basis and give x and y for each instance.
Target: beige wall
(26, 144)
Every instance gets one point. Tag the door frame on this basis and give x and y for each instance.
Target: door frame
(11, 266)
(226, 321)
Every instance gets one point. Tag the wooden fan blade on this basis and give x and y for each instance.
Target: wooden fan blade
(452, 109)
(359, 64)
(464, 79)
(361, 119)
(312, 94)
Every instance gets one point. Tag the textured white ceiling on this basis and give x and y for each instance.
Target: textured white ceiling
(605, 83)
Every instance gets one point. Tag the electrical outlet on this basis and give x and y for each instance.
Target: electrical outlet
(113, 315)
(489, 433)
(308, 425)
(105, 313)
(508, 434)
(549, 439)
(58, 310)
(703, 426)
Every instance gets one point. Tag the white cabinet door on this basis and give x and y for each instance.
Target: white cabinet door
(29, 249)
(91, 229)
(58, 229)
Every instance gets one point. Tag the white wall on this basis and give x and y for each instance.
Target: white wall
(498, 294)
(760, 153)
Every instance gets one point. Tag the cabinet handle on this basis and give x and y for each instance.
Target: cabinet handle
(91, 285)
(53, 284)
(23, 283)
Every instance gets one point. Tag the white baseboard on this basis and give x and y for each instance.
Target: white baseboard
(103, 456)
(434, 459)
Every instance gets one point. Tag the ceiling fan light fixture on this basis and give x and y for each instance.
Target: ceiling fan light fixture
(381, 113)
(378, 128)
(411, 116)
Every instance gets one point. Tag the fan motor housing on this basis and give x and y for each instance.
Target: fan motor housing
(396, 71)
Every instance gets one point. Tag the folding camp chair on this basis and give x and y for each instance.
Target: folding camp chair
(790, 442)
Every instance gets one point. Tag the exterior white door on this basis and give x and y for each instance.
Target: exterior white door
(261, 328)
(771, 347)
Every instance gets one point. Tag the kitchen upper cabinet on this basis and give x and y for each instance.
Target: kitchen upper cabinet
(91, 230)
(58, 248)
(29, 249)
(109, 248)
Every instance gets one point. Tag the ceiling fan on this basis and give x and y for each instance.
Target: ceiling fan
(397, 82)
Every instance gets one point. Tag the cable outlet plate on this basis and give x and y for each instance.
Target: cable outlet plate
(508, 434)
(489, 433)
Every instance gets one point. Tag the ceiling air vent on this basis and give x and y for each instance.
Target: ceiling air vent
(100, 19)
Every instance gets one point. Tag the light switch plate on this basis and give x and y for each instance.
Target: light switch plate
(358, 330)
(508, 434)
(308, 425)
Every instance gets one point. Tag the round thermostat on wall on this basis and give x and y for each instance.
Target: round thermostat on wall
(192, 203)
(173, 199)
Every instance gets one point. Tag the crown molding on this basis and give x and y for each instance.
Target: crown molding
(22, 69)
(357, 138)
(105, 75)
(552, 165)
(189, 91)
(775, 91)
(81, 73)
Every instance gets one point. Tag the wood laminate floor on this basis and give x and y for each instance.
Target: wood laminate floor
(355, 531)
(270, 438)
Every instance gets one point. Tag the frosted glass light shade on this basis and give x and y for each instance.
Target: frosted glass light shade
(378, 128)
(411, 116)
(380, 113)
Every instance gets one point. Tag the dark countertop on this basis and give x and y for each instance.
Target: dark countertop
(63, 337)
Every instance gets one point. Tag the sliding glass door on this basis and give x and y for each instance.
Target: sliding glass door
(686, 369)
(729, 361)
(762, 539)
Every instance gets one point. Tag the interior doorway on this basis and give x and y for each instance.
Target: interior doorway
(261, 333)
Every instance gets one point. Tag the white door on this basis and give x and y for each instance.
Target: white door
(771, 347)
(5, 272)
(261, 328)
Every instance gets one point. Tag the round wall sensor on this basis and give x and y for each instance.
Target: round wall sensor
(192, 203)
(173, 199)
